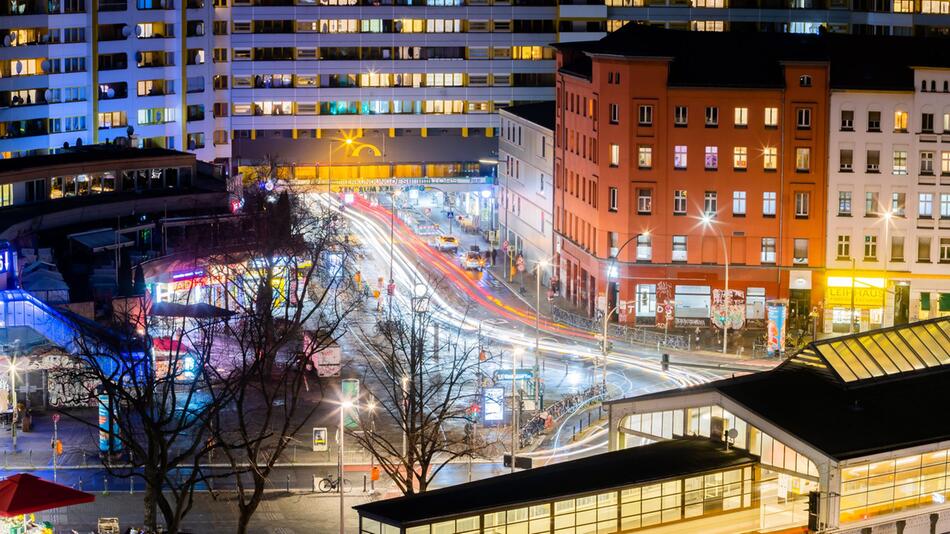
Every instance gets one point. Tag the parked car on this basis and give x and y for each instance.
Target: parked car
(447, 243)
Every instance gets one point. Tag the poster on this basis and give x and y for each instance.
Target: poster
(494, 405)
(320, 439)
(107, 443)
(326, 361)
(775, 327)
(729, 312)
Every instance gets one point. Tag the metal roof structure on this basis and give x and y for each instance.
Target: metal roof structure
(881, 353)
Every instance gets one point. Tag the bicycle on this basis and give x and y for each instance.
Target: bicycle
(331, 483)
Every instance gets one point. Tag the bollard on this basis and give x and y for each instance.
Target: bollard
(31, 457)
(80, 483)
(314, 483)
(105, 485)
(288, 483)
(364, 483)
(131, 484)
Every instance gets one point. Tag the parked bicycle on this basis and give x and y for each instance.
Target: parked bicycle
(331, 483)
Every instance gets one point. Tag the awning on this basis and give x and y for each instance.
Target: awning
(99, 240)
(25, 494)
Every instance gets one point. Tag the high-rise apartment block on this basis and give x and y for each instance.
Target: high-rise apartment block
(418, 83)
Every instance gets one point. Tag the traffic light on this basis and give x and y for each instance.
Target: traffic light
(482, 355)
(473, 412)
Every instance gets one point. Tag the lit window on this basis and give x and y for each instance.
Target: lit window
(679, 156)
(944, 250)
(742, 117)
(740, 157)
(925, 205)
(903, 6)
(900, 120)
(844, 203)
(738, 203)
(712, 157)
(768, 204)
(770, 158)
(871, 205)
(945, 163)
(645, 157)
(802, 159)
(771, 117)
(945, 205)
(614, 155)
(712, 116)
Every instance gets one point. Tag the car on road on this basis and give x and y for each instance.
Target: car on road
(473, 260)
(447, 243)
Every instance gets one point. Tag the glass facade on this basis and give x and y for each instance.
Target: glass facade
(620, 510)
(872, 489)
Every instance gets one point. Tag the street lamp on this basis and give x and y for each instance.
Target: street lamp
(344, 406)
(708, 222)
(12, 369)
(371, 407)
(538, 399)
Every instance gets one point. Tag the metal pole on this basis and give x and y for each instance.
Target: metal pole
(392, 231)
(728, 301)
(342, 528)
(514, 413)
(603, 379)
(851, 317)
(537, 342)
(12, 359)
(55, 443)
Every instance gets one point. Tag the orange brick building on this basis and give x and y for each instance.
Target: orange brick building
(657, 130)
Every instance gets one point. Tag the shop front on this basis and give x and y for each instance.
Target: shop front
(854, 304)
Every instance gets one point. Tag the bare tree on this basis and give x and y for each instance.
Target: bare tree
(291, 299)
(423, 389)
(150, 376)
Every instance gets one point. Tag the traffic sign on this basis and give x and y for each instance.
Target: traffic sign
(504, 246)
(55, 417)
(520, 263)
(450, 214)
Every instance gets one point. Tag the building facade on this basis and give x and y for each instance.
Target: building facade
(666, 172)
(889, 204)
(526, 180)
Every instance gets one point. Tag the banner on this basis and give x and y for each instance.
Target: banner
(351, 392)
(775, 327)
(493, 405)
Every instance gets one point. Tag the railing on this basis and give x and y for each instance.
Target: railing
(642, 336)
(566, 406)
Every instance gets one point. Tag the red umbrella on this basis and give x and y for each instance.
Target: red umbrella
(25, 494)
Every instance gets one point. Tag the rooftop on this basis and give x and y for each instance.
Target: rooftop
(846, 417)
(540, 113)
(81, 155)
(650, 463)
(737, 59)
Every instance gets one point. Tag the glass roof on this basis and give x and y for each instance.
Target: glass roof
(888, 352)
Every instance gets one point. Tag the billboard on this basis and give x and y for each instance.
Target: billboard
(326, 361)
(493, 406)
(320, 439)
(107, 425)
(776, 312)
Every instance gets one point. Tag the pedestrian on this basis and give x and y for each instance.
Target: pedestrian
(494, 256)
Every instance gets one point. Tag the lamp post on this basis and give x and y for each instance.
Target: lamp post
(707, 222)
(538, 358)
(13, 400)
(344, 406)
(888, 215)
(515, 406)
(371, 407)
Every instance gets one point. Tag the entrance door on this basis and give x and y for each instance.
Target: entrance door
(901, 303)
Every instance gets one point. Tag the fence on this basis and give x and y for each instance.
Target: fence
(565, 406)
(642, 336)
